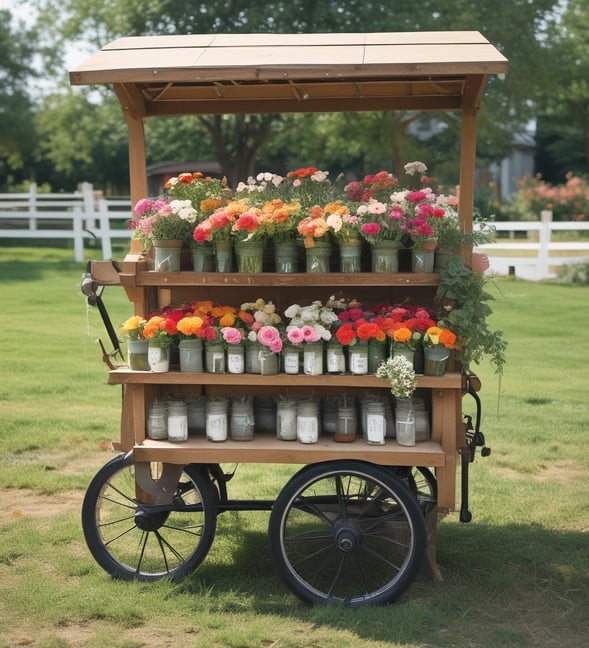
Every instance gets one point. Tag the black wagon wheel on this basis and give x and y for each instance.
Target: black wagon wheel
(349, 532)
(421, 482)
(133, 541)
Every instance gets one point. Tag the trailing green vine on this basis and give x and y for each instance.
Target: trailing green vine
(464, 306)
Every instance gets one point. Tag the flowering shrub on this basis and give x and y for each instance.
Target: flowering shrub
(568, 201)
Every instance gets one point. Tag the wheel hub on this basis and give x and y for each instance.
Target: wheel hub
(150, 521)
(347, 536)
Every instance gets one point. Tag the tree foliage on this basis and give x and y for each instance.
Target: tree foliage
(521, 29)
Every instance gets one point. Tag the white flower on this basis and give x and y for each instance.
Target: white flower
(400, 374)
(411, 168)
(184, 209)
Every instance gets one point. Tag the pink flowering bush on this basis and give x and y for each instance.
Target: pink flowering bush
(568, 201)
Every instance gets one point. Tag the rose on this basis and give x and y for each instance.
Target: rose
(231, 335)
(270, 337)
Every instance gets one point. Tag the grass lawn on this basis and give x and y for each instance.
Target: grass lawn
(517, 575)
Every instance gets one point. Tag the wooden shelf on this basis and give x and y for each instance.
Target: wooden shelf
(124, 376)
(266, 449)
(233, 279)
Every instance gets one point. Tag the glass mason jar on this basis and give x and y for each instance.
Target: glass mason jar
(265, 414)
(158, 355)
(317, 257)
(236, 358)
(358, 357)
(375, 423)
(385, 256)
(250, 256)
(137, 355)
(347, 424)
(157, 421)
(291, 359)
(307, 421)
(216, 420)
(190, 353)
(241, 423)
(168, 255)
(423, 257)
(405, 352)
(336, 358)
(285, 257)
(223, 251)
(405, 422)
(214, 357)
(177, 421)
(377, 352)
(203, 258)
(260, 360)
(350, 256)
(286, 420)
(435, 360)
(313, 359)
(195, 412)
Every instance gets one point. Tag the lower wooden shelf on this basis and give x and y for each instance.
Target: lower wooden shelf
(266, 449)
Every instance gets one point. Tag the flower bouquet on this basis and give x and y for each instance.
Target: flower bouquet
(263, 340)
(438, 343)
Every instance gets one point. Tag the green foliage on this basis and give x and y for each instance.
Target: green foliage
(574, 274)
(466, 312)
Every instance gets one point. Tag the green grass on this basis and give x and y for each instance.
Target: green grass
(518, 575)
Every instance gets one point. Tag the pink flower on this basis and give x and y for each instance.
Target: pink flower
(371, 229)
(267, 335)
(295, 335)
(309, 334)
(276, 346)
(231, 335)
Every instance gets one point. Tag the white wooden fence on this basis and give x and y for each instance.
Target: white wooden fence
(80, 216)
(524, 249)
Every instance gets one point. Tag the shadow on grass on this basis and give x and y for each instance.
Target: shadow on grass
(540, 575)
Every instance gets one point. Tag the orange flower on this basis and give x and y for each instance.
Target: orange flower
(402, 334)
(191, 325)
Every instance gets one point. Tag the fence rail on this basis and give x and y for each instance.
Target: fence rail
(84, 215)
(523, 248)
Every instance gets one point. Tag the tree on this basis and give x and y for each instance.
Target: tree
(517, 27)
(16, 136)
(563, 125)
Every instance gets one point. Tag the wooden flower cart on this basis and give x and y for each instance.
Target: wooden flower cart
(354, 523)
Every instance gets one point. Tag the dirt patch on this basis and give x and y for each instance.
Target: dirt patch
(24, 503)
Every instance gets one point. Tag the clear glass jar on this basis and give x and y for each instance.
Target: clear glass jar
(405, 422)
(307, 421)
(336, 358)
(157, 421)
(286, 420)
(241, 423)
(329, 407)
(291, 359)
(313, 359)
(265, 414)
(358, 357)
(375, 423)
(377, 353)
(347, 424)
(236, 358)
(177, 421)
(195, 411)
(158, 356)
(214, 357)
(217, 420)
(190, 354)
(137, 355)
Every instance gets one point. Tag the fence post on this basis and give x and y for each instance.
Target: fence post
(77, 222)
(543, 255)
(32, 205)
(104, 225)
